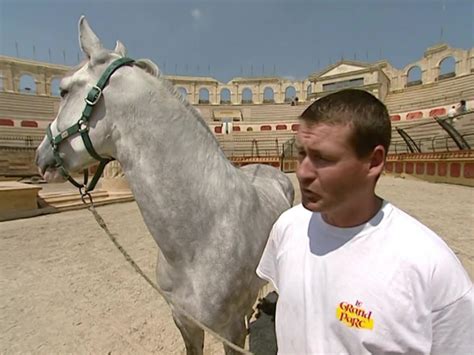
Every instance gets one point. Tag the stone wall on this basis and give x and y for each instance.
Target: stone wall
(16, 162)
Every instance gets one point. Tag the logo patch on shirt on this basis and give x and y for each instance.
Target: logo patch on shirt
(354, 315)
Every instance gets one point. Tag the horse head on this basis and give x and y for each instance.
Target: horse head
(82, 113)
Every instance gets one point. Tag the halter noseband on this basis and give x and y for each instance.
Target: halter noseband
(82, 127)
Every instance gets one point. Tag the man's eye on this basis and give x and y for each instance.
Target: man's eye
(63, 93)
(323, 159)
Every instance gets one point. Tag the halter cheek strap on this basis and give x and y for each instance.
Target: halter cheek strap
(82, 127)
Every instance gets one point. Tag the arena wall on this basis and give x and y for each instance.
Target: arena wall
(255, 129)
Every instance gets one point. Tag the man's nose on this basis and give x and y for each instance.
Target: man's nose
(305, 171)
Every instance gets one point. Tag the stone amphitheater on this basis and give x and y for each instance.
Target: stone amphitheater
(65, 292)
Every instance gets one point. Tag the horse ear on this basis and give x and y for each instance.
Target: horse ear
(120, 49)
(89, 42)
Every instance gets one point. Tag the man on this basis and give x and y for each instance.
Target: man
(451, 113)
(355, 274)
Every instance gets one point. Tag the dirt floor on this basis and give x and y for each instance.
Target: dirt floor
(64, 288)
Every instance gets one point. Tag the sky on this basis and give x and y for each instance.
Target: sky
(232, 38)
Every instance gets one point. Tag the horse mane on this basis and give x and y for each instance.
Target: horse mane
(151, 68)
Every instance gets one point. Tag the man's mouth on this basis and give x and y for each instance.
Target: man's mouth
(311, 194)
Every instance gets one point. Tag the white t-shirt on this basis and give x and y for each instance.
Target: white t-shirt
(388, 286)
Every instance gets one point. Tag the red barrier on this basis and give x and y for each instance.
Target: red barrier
(440, 111)
(414, 115)
(6, 122)
(27, 123)
(295, 127)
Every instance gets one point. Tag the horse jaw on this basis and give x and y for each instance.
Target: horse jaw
(88, 40)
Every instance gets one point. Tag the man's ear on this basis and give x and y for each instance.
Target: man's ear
(377, 161)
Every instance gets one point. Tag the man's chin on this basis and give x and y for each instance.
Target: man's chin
(311, 205)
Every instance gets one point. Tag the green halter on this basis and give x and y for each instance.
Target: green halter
(82, 127)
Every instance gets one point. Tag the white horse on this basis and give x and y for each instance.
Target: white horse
(209, 219)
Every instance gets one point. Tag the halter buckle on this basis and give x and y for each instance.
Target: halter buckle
(96, 96)
(83, 126)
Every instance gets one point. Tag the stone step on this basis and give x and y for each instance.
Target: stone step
(106, 201)
(64, 201)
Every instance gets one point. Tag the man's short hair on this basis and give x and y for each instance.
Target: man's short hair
(367, 115)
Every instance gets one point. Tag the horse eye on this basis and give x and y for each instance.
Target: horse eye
(63, 93)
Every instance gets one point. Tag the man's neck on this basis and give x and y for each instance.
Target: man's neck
(346, 217)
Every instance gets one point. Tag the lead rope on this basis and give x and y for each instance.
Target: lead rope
(86, 195)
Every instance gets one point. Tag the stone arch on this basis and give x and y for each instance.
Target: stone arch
(203, 96)
(183, 92)
(447, 67)
(309, 90)
(414, 76)
(225, 96)
(247, 96)
(268, 95)
(27, 84)
(290, 93)
(54, 87)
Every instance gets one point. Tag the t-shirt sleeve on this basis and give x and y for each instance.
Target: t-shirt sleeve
(267, 268)
(453, 327)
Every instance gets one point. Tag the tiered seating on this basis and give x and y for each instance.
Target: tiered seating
(424, 96)
(425, 134)
(16, 137)
(27, 107)
(263, 112)
(254, 143)
(430, 136)
(205, 111)
(275, 112)
(465, 126)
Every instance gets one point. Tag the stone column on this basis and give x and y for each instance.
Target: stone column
(16, 83)
(8, 80)
(195, 95)
(259, 87)
(279, 96)
(235, 96)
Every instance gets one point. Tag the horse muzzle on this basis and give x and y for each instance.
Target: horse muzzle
(46, 164)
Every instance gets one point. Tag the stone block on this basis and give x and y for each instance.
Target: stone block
(17, 198)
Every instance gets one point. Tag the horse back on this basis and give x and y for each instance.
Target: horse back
(271, 182)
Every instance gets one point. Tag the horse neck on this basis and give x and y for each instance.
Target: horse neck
(173, 163)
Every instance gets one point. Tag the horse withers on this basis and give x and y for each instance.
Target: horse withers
(209, 219)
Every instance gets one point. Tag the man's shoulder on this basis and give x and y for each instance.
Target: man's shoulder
(414, 240)
(418, 245)
(402, 221)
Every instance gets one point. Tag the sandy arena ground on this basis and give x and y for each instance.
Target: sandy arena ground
(64, 288)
